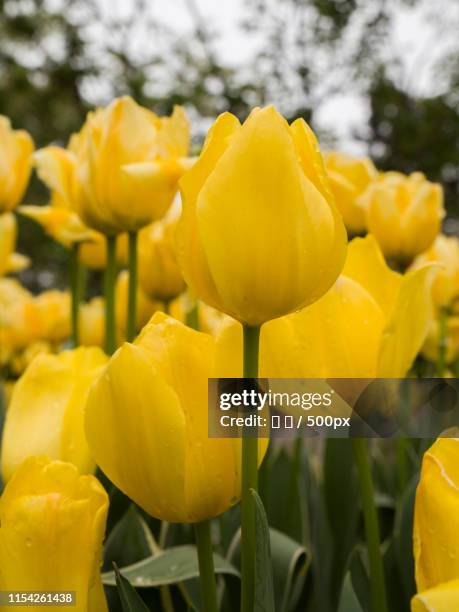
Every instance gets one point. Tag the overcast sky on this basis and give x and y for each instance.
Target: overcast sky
(413, 40)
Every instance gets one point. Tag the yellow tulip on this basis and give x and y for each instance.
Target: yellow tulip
(12, 296)
(52, 524)
(145, 306)
(445, 251)
(45, 416)
(404, 213)
(60, 223)
(436, 516)
(93, 253)
(20, 360)
(48, 314)
(349, 177)
(260, 235)
(33, 324)
(9, 261)
(372, 323)
(159, 274)
(151, 405)
(56, 168)
(16, 147)
(92, 322)
(128, 164)
(442, 598)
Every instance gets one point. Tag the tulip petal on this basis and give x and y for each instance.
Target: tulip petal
(56, 167)
(174, 134)
(190, 254)
(150, 187)
(143, 425)
(52, 524)
(259, 219)
(337, 336)
(45, 415)
(16, 148)
(366, 265)
(185, 358)
(436, 517)
(427, 208)
(442, 598)
(405, 334)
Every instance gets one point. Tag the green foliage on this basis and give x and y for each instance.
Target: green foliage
(327, 571)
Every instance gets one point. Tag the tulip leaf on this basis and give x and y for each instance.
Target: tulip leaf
(341, 492)
(127, 543)
(318, 595)
(360, 579)
(170, 566)
(290, 562)
(403, 539)
(283, 491)
(130, 599)
(290, 566)
(348, 600)
(264, 584)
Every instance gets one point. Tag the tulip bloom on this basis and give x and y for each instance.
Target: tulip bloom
(445, 251)
(16, 147)
(404, 213)
(92, 322)
(9, 260)
(436, 523)
(12, 296)
(52, 524)
(46, 411)
(372, 323)
(146, 425)
(260, 235)
(56, 168)
(349, 177)
(145, 307)
(128, 164)
(48, 315)
(441, 598)
(93, 253)
(159, 274)
(25, 318)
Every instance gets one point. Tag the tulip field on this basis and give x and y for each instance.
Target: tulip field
(257, 255)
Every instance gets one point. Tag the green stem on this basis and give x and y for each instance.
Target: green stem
(110, 278)
(206, 567)
(192, 316)
(132, 291)
(295, 473)
(402, 459)
(76, 290)
(249, 481)
(442, 342)
(378, 588)
(166, 598)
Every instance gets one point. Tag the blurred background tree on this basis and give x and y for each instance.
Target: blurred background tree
(58, 58)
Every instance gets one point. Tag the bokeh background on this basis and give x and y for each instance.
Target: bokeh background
(371, 76)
